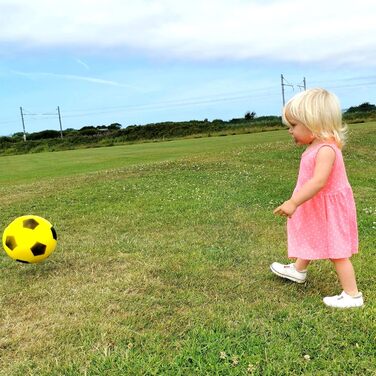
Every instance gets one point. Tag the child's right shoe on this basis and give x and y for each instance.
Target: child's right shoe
(288, 272)
(344, 301)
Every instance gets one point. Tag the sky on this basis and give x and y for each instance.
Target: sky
(139, 62)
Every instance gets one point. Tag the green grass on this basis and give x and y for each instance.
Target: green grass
(162, 265)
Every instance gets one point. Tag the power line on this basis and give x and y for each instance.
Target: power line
(36, 116)
(193, 100)
(8, 122)
(235, 96)
(161, 105)
(155, 106)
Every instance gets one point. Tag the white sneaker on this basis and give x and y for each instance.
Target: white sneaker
(344, 300)
(289, 272)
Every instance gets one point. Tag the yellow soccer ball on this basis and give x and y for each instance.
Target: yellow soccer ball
(29, 239)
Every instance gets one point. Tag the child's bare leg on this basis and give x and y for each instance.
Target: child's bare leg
(346, 275)
(301, 264)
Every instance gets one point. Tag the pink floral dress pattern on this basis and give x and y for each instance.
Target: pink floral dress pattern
(325, 226)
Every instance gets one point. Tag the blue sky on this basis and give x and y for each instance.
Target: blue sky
(149, 61)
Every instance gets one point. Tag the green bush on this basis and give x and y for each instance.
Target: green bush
(91, 136)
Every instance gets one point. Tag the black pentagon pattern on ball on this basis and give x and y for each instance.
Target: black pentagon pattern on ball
(54, 235)
(30, 223)
(10, 242)
(23, 261)
(38, 249)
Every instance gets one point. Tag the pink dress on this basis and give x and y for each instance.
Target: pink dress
(324, 226)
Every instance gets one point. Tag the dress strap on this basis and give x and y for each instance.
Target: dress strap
(330, 144)
(334, 147)
(317, 147)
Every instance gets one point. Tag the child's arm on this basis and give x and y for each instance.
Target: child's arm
(323, 167)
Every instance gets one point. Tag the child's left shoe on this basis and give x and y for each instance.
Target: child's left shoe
(344, 301)
(289, 272)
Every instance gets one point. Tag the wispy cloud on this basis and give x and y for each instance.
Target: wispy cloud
(94, 80)
(337, 31)
(79, 61)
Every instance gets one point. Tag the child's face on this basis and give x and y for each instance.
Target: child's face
(301, 134)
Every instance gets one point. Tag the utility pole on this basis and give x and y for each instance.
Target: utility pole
(23, 124)
(304, 86)
(61, 128)
(283, 88)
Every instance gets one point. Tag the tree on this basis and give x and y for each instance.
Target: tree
(114, 126)
(249, 115)
(364, 107)
(88, 131)
(47, 134)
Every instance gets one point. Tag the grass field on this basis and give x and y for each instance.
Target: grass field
(162, 265)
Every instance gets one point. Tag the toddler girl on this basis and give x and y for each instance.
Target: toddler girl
(321, 214)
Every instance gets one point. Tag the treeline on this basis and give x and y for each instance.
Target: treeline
(114, 134)
(360, 114)
(95, 136)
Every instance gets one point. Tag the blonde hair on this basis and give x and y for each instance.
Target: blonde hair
(320, 111)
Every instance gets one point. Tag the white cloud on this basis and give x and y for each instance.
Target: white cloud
(41, 75)
(82, 63)
(286, 30)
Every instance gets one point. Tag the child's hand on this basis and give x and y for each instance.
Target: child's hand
(287, 209)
